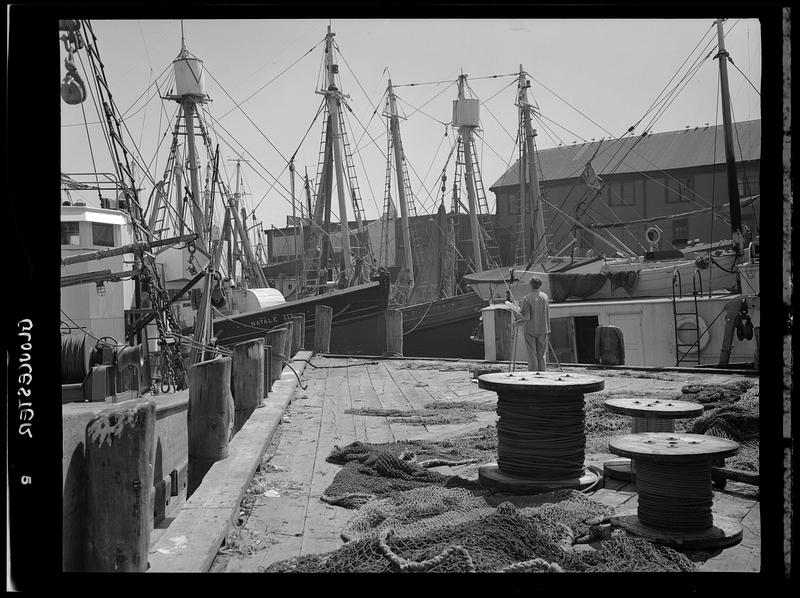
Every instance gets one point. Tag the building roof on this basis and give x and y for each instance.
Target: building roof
(701, 146)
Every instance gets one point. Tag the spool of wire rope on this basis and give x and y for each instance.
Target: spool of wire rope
(673, 479)
(541, 436)
(75, 357)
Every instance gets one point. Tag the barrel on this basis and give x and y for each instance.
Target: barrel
(609, 346)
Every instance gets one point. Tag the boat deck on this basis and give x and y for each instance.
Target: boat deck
(287, 518)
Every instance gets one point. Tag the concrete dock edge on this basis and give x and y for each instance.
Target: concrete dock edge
(193, 538)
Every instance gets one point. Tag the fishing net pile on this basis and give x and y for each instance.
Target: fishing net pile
(414, 519)
(715, 394)
(371, 471)
(505, 538)
(736, 421)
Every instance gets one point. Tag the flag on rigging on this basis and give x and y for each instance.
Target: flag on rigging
(590, 177)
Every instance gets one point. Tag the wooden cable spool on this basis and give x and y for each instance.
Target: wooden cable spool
(675, 493)
(647, 415)
(541, 436)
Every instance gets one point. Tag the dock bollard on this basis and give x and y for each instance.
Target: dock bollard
(299, 332)
(247, 379)
(210, 417)
(394, 332)
(119, 481)
(322, 329)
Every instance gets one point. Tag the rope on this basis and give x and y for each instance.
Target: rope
(406, 565)
(330, 367)
(536, 564)
(675, 496)
(541, 437)
(420, 321)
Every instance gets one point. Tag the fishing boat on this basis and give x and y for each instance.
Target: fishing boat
(590, 278)
(242, 298)
(439, 313)
(682, 310)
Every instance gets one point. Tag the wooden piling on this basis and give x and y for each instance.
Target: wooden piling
(267, 367)
(289, 325)
(394, 332)
(247, 379)
(210, 417)
(322, 329)
(277, 340)
(119, 459)
(299, 341)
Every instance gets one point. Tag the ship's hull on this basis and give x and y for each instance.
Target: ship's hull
(442, 328)
(357, 327)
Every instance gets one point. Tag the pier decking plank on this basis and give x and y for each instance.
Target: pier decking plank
(282, 518)
(337, 428)
(376, 429)
(392, 397)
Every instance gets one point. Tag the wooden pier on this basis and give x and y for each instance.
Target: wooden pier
(284, 516)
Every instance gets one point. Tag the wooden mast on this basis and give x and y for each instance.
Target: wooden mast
(536, 231)
(294, 210)
(394, 123)
(523, 196)
(465, 132)
(332, 94)
(253, 268)
(730, 157)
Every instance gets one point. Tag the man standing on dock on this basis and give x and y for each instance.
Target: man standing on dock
(535, 312)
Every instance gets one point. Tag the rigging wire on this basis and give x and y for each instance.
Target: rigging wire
(260, 89)
(247, 116)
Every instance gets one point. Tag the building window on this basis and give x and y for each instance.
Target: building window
(513, 202)
(680, 189)
(102, 234)
(70, 233)
(748, 183)
(623, 193)
(680, 231)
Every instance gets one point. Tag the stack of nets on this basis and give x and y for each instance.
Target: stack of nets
(412, 519)
(502, 539)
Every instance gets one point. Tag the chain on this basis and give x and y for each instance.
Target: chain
(192, 260)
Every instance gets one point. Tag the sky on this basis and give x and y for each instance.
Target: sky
(590, 78)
